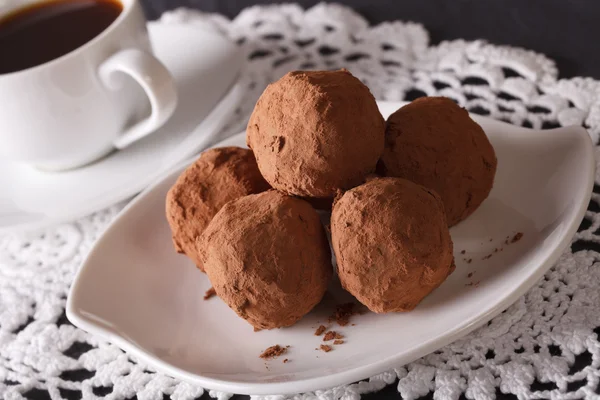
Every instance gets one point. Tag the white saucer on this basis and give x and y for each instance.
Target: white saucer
(135, 291)
(204, 65)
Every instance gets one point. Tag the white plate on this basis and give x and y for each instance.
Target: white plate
(135, 291)
(33, 199)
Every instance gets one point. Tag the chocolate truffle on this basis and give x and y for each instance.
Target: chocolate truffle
(392, 243)
(217, 177)
(433, 142)
(314, 133)
(267, 258)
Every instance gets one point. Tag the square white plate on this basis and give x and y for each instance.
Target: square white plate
(135, 291)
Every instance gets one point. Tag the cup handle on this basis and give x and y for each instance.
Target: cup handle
(156, 81)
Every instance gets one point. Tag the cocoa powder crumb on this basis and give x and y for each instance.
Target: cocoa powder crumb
(463, 252)
(491, 239)
(517, 237)
(210, 293)
(487, 257)
(470, 274)
(338, 341)
(469, 261)
(285, 360)
(332, 335)
(273, 352)
(326, 348)
(320, 330)
(343, 312)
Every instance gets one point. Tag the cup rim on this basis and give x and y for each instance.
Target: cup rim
(127, 6)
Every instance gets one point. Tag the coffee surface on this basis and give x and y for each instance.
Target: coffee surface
(44, 31)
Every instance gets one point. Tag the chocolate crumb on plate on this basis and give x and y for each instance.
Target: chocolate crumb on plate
(338, 341)
(210, 293)
(273, 352)
(285, 360)
(463, 252)
(320, 330)
(343, 312)
(470, 274)
(517, 237)
(332, 335)
(326, 348)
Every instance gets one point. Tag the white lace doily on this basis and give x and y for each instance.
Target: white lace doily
(544, 346)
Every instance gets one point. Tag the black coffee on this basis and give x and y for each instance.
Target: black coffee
(44, 31)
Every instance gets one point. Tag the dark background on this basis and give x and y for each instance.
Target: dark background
(565, 30)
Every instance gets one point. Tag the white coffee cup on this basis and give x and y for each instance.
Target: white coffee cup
(77, 108)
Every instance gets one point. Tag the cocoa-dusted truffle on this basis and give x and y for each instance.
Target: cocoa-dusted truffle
(268, 258)
(433, 142)
(392, 243)
(217, 177)
(314, 133)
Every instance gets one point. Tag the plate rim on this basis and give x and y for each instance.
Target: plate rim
(361, 372)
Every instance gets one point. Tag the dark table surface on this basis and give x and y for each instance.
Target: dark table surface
(565, 31)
